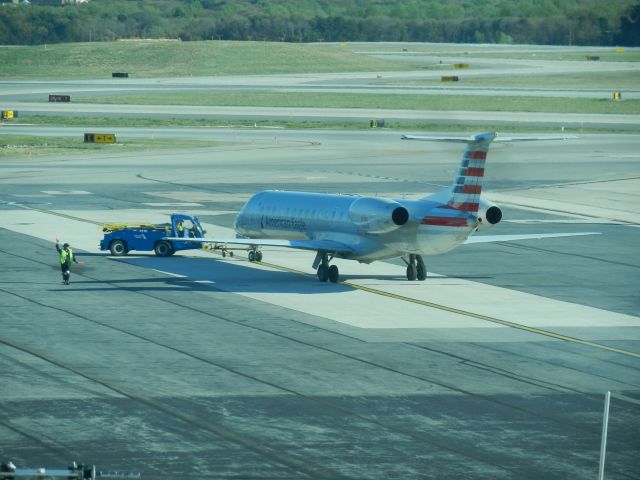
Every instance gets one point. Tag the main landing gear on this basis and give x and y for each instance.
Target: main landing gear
(416, 269)
(254, 256)
(326, 271)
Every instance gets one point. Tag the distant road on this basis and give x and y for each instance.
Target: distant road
(403, 82)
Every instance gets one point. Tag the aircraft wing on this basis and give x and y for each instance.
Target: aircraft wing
(315, 245)
(513, 238)
(498, 139)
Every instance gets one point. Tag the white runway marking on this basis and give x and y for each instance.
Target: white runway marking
(33, 195)
(199, 196)
(563, 222)
(174, 204)
(169, 273)
(588, 201)
(66, 192)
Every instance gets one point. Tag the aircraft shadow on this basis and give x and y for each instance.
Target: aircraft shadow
(202, 274)
(135, 285)
(231, 276)
(267, 282)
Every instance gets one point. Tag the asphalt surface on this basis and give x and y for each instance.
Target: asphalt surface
(198, 366)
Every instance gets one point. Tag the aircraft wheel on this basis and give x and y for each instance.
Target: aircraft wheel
(323, 273)
(224, 254)
(258, 256)
(231, 254)
(163, 248)
(412, 272)
(421, 271)
(118, 248)
(252, 256)
(334, 274)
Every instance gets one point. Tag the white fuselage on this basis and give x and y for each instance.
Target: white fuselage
(374, 228)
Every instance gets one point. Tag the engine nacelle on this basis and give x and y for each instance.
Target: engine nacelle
(489, 214)
(377, 215)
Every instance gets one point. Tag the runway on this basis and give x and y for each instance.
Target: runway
(196, 365)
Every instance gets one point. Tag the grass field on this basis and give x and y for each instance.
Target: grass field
(27, 145)
(178, 59)
(401, 126)
(379, 101)
(170, 58)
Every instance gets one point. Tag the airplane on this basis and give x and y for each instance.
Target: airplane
(369, 229)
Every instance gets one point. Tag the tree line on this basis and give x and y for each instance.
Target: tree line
(550, 22)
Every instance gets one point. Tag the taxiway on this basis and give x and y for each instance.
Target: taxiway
(196, 365)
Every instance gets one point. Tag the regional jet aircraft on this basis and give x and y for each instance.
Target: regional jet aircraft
(373, 228)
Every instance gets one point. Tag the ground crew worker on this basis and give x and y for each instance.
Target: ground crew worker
(180, 229)
(66, 257)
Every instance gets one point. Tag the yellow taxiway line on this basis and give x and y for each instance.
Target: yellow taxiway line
(466, 313)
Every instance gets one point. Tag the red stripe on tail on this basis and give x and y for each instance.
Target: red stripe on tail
(478, 155)
(471, 188)
(466, 207)
(475, 172)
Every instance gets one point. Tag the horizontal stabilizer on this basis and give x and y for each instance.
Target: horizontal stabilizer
(438, 139)
(531, 236)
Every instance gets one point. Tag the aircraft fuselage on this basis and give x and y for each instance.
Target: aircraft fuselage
(375, 228)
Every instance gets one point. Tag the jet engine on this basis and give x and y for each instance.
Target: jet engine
(378, 215)
(489, 214)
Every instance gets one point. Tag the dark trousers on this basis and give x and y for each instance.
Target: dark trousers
(66, 273)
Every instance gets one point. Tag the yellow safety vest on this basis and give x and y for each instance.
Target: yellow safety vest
(63, 256)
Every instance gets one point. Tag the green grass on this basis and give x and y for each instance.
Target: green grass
(178, 59)
(98, 122)
(158, 58)
(378, 101)
(27, 145)
(401, 126)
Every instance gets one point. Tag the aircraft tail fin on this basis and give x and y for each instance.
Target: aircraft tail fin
(466, 188)
(464, 193)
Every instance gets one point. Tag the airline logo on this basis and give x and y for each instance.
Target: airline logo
(280, 223)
